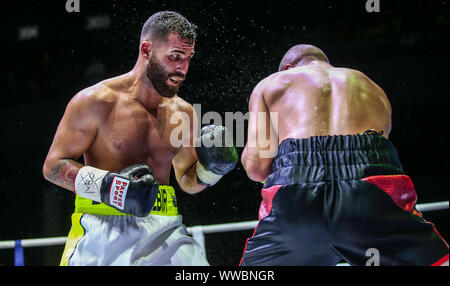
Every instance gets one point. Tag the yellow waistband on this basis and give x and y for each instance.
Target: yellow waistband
(165, 205)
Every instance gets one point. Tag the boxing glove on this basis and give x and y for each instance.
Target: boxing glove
(216, 154)
(132, 190)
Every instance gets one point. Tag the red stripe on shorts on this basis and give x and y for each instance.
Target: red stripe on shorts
(266, 204)
(399, 187)
(440, 261)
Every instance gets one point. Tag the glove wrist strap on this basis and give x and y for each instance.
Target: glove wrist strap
(88, 183)
(206, 177)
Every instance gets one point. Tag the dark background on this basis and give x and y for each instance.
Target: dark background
(404, 48)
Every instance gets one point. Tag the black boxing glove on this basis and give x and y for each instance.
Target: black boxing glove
(132, 191)
(216, 154)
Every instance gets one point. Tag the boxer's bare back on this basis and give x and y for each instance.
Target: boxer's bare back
(321, 100)
(312, 100)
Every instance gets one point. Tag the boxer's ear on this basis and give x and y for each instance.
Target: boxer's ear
(145, 49)
(288, 66)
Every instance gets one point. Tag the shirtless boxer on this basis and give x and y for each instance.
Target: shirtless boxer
(335, 189)
(125, 209)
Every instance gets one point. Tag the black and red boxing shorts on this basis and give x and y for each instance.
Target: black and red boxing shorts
(341, 198)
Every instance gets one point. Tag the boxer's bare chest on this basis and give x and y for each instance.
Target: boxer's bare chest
(132, 134)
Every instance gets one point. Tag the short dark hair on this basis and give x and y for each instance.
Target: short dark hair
(301, 54)
(161, 24)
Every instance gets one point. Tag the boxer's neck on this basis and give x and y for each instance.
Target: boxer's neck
(142, 89)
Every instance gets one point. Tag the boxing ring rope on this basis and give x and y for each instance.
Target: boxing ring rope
(197, 232)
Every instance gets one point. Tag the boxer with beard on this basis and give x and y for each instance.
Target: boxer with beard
(125, 208)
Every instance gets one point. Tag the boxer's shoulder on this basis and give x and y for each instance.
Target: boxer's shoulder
(180, 105)
(356, 78)
(100, 94)
(92, 102)
(282, 79)
(346, 74)
(273, 85)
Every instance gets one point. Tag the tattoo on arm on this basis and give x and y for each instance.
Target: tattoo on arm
(64, 173)
(89, 181)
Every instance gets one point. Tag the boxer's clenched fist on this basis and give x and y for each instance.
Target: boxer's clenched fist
(216, 154)
(131, 191)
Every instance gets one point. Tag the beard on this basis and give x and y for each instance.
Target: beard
(158, 75)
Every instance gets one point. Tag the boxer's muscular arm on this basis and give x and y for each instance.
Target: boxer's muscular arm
(262, 141)
(184, 165)
(185, 161)
(76, 132)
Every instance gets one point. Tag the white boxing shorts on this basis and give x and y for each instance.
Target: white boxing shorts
(102, 236)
